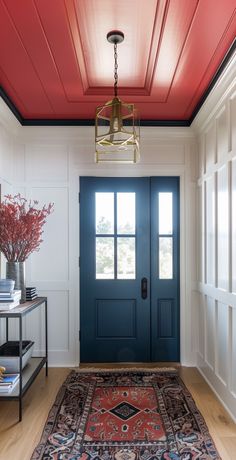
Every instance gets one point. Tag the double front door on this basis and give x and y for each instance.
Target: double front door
(129, 269)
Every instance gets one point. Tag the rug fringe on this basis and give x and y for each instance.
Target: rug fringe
(126, 369)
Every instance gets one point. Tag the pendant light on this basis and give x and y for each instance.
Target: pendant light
(116, 123)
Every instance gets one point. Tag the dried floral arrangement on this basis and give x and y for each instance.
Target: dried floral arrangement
(21, 225)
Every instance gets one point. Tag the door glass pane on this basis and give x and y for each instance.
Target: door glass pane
(104, 258)
(104, 213)
(126, 213)
(165, 214)
(126, 258)
(165, 257)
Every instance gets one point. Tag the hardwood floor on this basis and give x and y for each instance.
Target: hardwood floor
(17, 440)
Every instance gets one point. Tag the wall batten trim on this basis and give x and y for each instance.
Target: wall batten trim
(216, 228)
(216, 366)
(217, 127)
(230, 210)
(230, 347)
(204, 235)
(205, 325)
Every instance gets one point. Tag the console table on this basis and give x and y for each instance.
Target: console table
(35, 364)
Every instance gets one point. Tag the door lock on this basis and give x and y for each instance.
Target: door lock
(144, 287)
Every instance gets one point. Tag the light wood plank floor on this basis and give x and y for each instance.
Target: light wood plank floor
(17, 440)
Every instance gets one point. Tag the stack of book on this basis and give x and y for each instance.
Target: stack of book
(8, 382)
(9, 300)
(31, 293)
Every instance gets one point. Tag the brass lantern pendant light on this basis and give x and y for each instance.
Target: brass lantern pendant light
(116, 123)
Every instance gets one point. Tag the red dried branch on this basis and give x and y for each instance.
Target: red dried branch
(21, 225)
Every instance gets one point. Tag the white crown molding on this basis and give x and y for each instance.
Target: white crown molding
(86, 134)
(217, 96)
(159, 132)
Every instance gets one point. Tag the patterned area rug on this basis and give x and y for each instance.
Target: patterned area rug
(125, 415)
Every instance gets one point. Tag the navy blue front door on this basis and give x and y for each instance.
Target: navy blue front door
(129, 269)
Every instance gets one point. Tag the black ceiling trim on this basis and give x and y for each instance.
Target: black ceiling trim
(164, 123)
(88, 122)
(57, 122)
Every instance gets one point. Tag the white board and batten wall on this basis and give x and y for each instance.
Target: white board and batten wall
(216, 344)
(46, 163)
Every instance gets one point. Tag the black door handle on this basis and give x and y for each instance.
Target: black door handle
(144, 287)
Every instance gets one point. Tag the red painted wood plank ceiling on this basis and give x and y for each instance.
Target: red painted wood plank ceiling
(55, 61)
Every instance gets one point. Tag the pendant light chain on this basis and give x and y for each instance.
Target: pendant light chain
(116, 124)
(115, 69)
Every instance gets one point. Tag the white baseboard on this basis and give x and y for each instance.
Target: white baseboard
(226, 398)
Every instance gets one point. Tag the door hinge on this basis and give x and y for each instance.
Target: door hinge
(79, 197)
(79, 261)
(79, 336)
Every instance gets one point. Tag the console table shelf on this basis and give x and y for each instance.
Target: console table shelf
(35, 364)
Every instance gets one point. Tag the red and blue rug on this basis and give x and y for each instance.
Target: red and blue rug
(125, 415)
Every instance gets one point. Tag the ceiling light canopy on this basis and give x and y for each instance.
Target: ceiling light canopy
(116, 123)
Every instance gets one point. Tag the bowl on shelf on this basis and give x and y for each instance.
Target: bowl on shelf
(6, 285)
(9, 355)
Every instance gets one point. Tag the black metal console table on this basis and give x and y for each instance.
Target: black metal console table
(35, 364)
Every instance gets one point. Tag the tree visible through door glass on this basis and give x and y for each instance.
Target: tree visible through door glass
(126, 213)
(165, 258)
(104, 213)
(115, 236)
(126, 258)
(104, 258)
(165, 225)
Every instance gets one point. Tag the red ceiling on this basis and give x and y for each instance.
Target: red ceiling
(55, 61)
